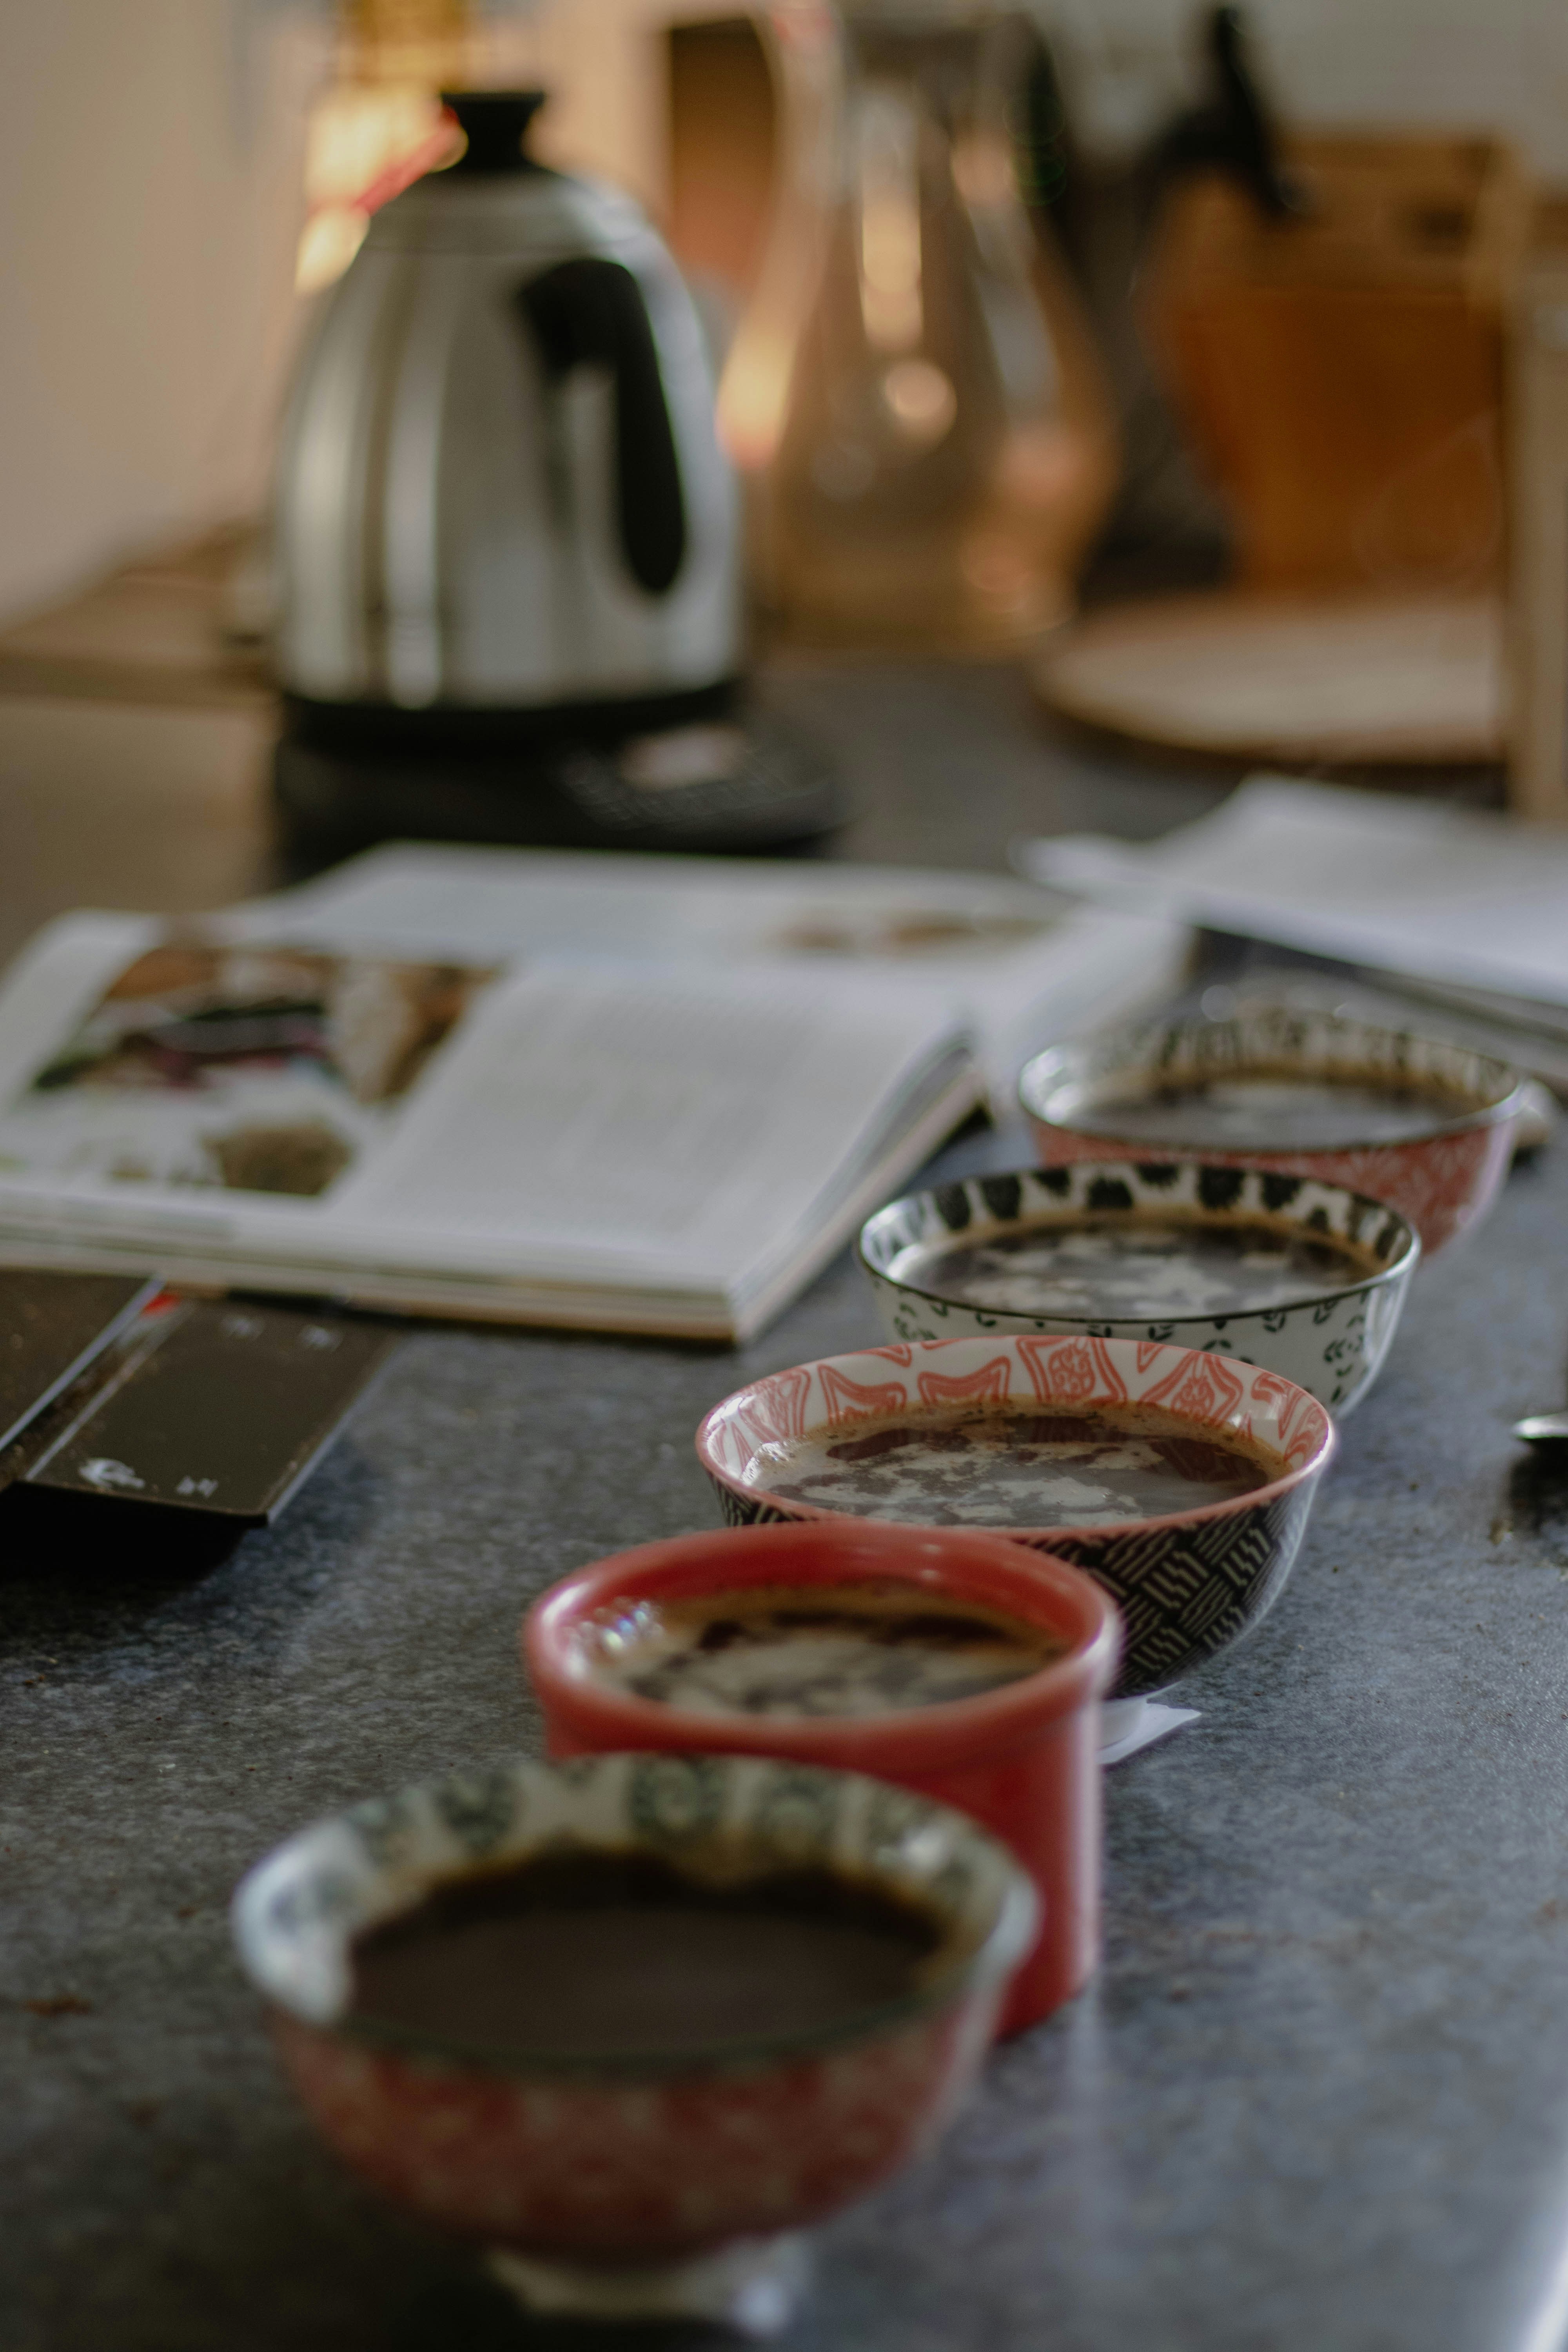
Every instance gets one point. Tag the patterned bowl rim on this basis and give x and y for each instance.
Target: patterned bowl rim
(1102, 1531)
(909, 1203)
(264, 1928)
(1498, 1084)
(953, 1729)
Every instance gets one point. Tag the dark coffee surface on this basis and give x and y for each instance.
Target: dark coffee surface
(1008, 1469)
(1266, 1110)
(856, 1650)
(1134, 1266)
(609, 1956)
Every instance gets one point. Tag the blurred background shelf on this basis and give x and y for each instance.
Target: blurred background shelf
(158, 632)
(1339, 372)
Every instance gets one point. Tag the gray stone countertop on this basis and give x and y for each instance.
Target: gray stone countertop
(1316, 2100)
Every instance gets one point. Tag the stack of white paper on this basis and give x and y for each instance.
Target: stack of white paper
(1441, 895)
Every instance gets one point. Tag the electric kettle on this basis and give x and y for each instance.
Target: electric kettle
(505, 541)
(499, 488)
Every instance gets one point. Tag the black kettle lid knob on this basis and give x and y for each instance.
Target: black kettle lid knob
(495, 124)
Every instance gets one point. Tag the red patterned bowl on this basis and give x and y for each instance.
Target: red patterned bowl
(598, 2180)
(1443, 1179)
(1187, 1585)
(1024, 1760)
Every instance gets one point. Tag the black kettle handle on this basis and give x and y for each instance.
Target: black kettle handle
(591, 312)
(1233, 132)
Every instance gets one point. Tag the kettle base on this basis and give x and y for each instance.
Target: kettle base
(742, 786)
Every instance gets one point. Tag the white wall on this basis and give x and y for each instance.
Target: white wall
(148, 209)
(1444, 63)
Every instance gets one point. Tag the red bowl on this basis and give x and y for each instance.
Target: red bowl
(1444, 1180)
(1024, 1760)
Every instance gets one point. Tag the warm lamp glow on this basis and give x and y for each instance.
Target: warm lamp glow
(356, 130)
(328, 243)
(982, 170)
(363, 145)
(891, 303)
(753, 394)
(1043, 466)
(920, 400)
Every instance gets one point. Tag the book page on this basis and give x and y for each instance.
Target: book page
(1020, 964)
(55, 980)
(911, 921)
(153, 1063)
(663, 1124)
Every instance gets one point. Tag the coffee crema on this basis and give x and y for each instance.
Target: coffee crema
(992, 1466)
(1266, 1110)
(1143, 1268)
(620, 1955)
(813, 1650)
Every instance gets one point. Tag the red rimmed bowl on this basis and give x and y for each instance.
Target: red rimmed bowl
(1083, 1101)
(1024, 1760)
(1188, 1584)
(627, 2184)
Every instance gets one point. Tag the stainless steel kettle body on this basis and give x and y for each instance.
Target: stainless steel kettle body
(499, 488)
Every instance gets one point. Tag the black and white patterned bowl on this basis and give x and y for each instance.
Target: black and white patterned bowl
(1188, 1585)
(1329, 1341)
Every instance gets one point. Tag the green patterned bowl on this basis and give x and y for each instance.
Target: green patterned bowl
(635, 2185)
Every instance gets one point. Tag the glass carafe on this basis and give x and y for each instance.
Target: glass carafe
(912, 393)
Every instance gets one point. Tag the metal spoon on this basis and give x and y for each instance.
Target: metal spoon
(1543, 1428)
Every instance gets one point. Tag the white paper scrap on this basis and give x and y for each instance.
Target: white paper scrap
(1152, 1722)
(1404, 885)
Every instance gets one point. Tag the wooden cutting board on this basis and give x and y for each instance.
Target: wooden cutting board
(1288, 679)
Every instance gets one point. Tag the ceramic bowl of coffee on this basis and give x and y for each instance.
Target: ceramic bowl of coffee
(1182, 1481)
(633, 2023)
(1301, 1278)
(1425, 1127)
(947, 1662)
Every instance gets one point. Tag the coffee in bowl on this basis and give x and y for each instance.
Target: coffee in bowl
(631, 2021)
(607, 1956)
(1268, 1109)
(838, 1650)
(1295, 1276)
(942, 1660)
(1147, 1267)
(1419, 1124)
(986, 1466)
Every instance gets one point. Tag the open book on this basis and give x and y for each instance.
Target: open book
(1020, 964)
(521, 1085)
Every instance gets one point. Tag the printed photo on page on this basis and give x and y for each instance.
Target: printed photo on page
(249, 1068)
